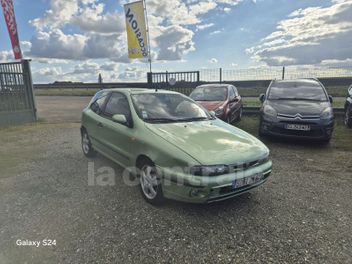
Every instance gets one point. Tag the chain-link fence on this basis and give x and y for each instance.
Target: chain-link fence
(272, 73)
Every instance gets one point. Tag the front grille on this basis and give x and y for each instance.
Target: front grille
(245, 166)
(299, 117)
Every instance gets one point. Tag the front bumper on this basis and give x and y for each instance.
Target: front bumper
(207, 189)
(318, 130)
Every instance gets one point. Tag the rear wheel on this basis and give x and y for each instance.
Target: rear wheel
(150, 183)
(87, 148)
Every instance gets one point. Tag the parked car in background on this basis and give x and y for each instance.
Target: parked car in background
(348, 109)
(223, 99)
(182, 152)
(297, 108)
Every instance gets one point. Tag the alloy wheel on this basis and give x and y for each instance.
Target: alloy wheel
(149, 181)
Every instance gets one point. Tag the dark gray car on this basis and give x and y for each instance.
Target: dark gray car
(297, 108)
(348, 109)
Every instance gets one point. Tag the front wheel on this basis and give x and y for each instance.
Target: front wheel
(150, 183)
(240, 113)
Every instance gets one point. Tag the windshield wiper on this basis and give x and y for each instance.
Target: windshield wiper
(192, 119)
(160, 120)
(296, 99)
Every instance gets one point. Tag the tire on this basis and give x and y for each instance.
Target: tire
(326, 141)
(150, 183)
(239, 117)
(260, 132)
(87, 148)
(228, 119)
(348, 118)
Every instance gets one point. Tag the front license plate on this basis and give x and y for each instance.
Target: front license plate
(298, 127)
(239, 183)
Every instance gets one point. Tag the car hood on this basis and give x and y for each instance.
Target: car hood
(212, 142)
(298, 106)
(211, 105)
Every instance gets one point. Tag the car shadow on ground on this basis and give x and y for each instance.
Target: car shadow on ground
(305, 143)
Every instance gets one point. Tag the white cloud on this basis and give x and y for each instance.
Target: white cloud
(204, 26)
(309, 36)
(213, 61)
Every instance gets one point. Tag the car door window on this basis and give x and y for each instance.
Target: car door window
(117, 105)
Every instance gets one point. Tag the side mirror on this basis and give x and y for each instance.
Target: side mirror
(262, 98)
(235, 100)
(120, 119)
(212, 113)
(331, 99)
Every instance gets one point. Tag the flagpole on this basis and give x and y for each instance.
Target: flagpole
(148, 35)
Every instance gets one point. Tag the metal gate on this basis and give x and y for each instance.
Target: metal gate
(17, 102)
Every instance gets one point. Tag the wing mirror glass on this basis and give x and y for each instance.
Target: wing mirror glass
(262, 98)
(120, 119)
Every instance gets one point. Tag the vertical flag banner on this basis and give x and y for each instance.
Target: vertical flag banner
(9, 14)
(136, 30)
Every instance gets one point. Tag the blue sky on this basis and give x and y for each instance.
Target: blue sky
(78, 39)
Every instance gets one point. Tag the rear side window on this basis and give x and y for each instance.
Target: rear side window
(97, 103)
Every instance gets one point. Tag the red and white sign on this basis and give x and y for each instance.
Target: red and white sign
(9, 14)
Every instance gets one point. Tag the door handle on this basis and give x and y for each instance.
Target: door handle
(100, 124)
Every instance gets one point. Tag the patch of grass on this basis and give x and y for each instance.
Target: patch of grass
(65, 92)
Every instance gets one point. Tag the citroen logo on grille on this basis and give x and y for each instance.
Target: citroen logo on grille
(298, 116)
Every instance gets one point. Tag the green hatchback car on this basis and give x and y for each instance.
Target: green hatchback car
(176, 148)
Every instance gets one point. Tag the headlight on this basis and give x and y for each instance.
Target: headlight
(270, 111)
(210, 170)
(327, 113)
(219, 111)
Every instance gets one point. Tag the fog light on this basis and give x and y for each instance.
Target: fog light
(197, 193)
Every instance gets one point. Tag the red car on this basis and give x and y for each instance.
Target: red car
(223, 99)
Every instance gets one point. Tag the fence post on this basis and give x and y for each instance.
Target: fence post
(150, 79)
(198, 76)
(167, 77)
(220, 75)
(283, 72)
(28, 81)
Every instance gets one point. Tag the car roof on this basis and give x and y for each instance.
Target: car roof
(214, 85)
(303, 80)
(140, 90)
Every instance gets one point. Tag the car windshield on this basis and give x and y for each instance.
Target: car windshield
(209, 93)
(168, 108)
(311, 91)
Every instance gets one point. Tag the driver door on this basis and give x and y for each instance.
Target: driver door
(117, 137)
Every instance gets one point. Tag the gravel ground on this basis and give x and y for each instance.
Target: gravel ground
(302, 214)
(58, 109)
